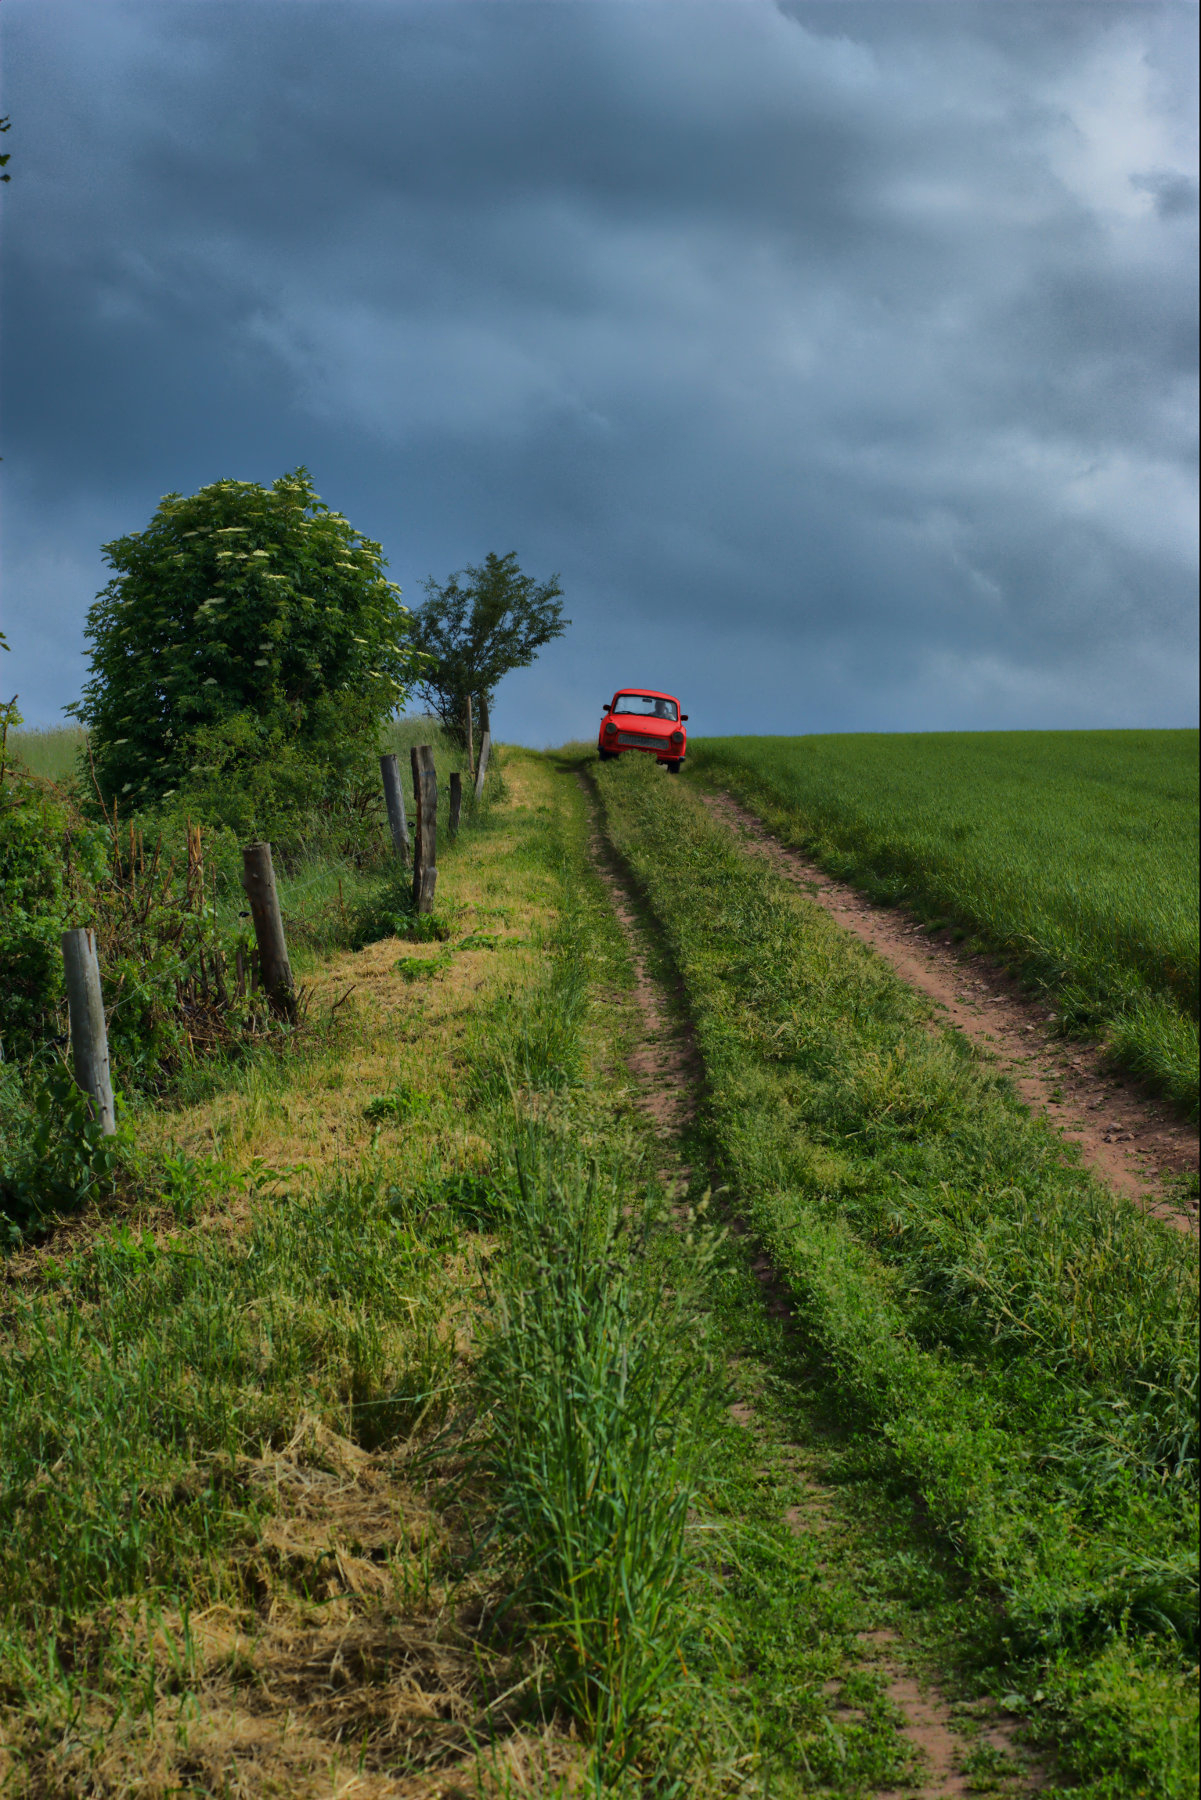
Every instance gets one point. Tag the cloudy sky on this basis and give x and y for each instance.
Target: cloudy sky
(839, 356)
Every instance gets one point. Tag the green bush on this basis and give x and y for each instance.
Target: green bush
(246, 653)
(168, 960)
(46, 858)
(53, 1155)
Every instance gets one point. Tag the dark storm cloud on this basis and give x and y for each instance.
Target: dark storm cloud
(841, 356)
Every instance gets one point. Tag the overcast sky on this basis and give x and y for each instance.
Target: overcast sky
(840, 357)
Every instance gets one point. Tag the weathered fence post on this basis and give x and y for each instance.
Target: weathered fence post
(485, 749)
(89, 1038)
(470, 733)
(258, 878)
(394, 800)
(425, 828)
(456, 802)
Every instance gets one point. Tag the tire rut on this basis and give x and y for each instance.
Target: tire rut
(667, 1071)
(666, 1065)
(1127, 1139)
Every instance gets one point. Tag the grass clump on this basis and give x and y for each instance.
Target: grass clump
(591, 1450)
(1023, 1344)
(1071, 854)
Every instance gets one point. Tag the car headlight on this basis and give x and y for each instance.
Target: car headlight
(677, 737)
(610, 728)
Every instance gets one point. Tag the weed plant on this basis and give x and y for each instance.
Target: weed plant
(54, 1157)
(1023, 1343)
(1073, 854)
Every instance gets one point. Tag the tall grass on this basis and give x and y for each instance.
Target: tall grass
(590, 1372)
(1023, 1343)
(1073, 854)
(585, 1373)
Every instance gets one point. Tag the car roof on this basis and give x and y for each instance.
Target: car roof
(655, 693)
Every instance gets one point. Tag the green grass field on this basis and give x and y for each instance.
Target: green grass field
(51, 754)
(1071, 853)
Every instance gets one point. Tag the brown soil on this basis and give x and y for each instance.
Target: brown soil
(665, 1064)
(1130, 1140)
(929, 1727)
(666, 1068)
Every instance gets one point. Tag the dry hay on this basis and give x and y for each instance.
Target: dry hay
(361, 1661)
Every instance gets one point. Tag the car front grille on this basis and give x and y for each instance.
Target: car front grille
(642, 740)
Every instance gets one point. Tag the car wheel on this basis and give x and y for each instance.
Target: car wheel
(607, 755)
(673, 765)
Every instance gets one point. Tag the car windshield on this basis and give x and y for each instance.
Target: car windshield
(646, 706)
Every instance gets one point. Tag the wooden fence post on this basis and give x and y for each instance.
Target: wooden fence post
(394, 800)
(425, 828)
(485, 749)
(456, 802)
(89, 1038)
(470, 731)
(258, 878)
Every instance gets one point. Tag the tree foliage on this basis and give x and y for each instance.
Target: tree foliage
(245, 627)
(477, 626)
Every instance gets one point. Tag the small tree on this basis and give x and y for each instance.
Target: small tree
(246, 628)
(473, 629)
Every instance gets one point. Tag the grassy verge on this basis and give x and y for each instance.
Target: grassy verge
(1021, 1346)
(329, 904)
(1072, 854)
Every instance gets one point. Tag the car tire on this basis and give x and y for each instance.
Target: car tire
(607, 755)
(672, 764)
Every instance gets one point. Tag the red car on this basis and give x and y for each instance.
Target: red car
(643, 719)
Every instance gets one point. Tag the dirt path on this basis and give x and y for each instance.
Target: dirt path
(665, 1064)
(1130, 1141)
(666, 1068)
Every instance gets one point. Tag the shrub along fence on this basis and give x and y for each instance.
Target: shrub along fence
(272, 968)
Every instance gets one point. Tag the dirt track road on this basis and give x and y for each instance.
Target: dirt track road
(666, 1068)
(1130, 1141)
